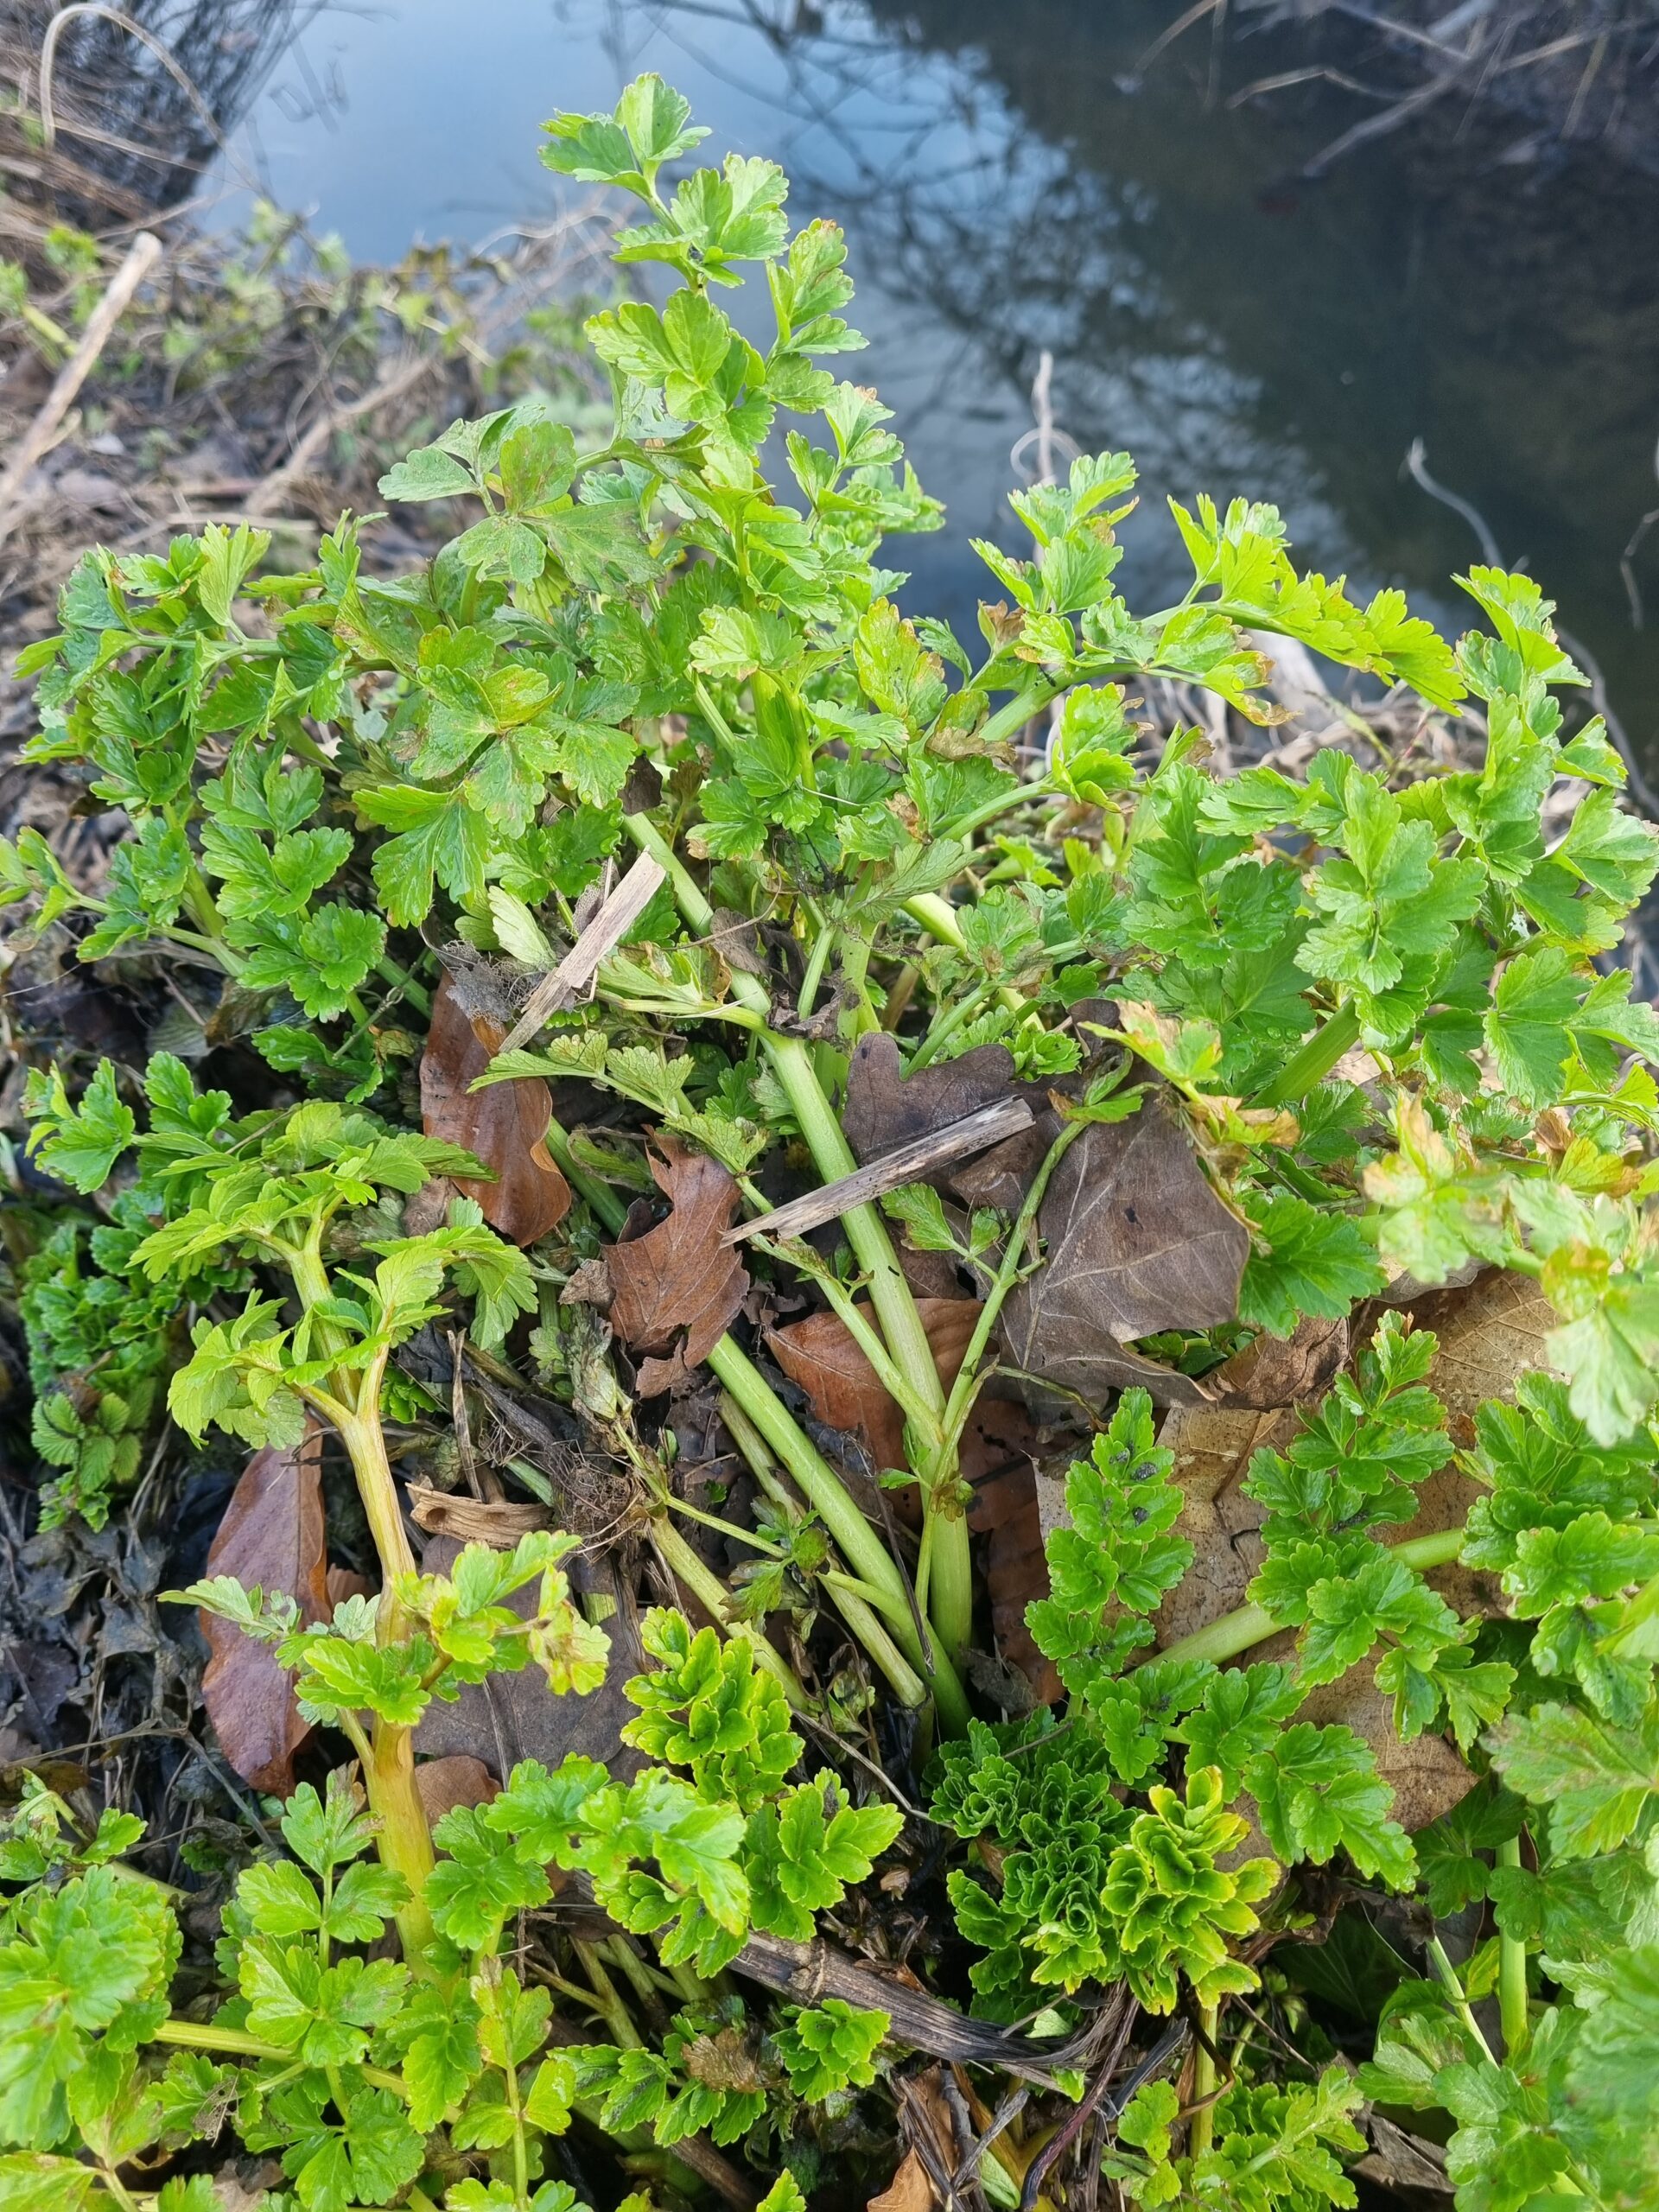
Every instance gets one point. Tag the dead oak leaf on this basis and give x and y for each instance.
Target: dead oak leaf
(1491, 1332)
(272, 1537)
(1135, 1242)
(821, 1355)
(677, 1289)
(504, 1127)
(1275, 1371)
(1426, 1775)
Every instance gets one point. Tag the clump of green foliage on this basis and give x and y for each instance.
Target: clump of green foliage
(1363, 1017)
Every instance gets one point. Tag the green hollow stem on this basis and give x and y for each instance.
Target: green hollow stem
(237, 2042)
(1250, 1624)
(858, 1543)
(961, 1401)
(1201, 2133)
(403, 1837)
(1455, 1990)
(866, 1232)
(902, 1332)
(389, 971)
(1512, 1971)
(607, 1997)
(859, 1606)
(1313, 1061)
(1010, 719)
(902, 1661)
(816, 963)
(716, 1599)
(366, 1447)
(939, 917)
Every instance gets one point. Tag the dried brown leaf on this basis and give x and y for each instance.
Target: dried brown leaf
(678, 1288)
(1136, 1242)
(1426, 1775)
(506, 1126)
(1275, 1371)
(344, 1582)
(997, 1460)
(457, 1780)
(820, 1354)
(1212, 1446)
(1490, 1331)
(1002, 1176)
(1398, 2160)
(885, 1108)
(909, 2191)
(272, 1536)
(497, 1523)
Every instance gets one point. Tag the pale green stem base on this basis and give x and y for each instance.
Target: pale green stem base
(1251, 1625)
(1512, 1973)
(866, 1232)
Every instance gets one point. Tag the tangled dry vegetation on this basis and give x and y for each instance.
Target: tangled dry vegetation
(1575, 71)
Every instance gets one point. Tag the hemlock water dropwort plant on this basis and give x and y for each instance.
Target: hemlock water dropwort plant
(1297, 1051)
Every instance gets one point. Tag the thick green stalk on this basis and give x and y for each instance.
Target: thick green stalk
(1455, 1990)
(939, 917)
(204, 2035)
(1202, 2131)
(402, 1838)
(866, 1232)
(366, 1447)
(961, 1401)
(817, 961)
(607, 1997)
(1250, 1624)
(1512, 1971)
(858, 1543)
(1011, 718)
(1311, 1063)
(821, 1486)
(389, 971)
(856, 1602)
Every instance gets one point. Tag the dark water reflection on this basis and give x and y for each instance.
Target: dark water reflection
(1009, 185)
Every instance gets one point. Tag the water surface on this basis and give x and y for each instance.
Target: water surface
(1012, 180)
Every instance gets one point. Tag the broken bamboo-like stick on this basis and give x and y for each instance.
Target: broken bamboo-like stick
(142, 256)
(974, 1133)
(615, 918)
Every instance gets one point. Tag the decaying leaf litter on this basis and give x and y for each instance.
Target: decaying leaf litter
(1020, 1613)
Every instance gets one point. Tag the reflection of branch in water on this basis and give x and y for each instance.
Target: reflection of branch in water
(1417, 469)
(1535, 56)
(1627, 559)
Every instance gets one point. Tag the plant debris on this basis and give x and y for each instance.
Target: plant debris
(271, 1538)
(525, 1195)
(1137, 1243)
(677, 1288)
